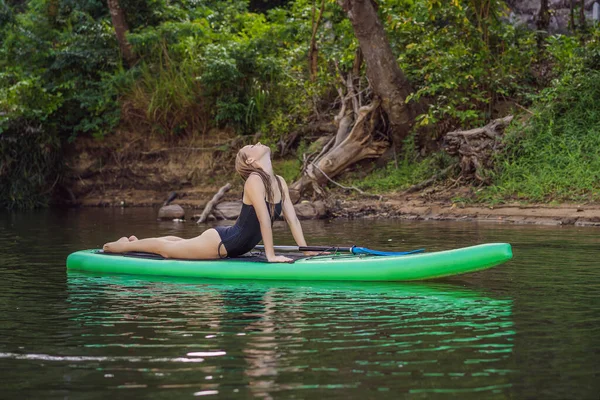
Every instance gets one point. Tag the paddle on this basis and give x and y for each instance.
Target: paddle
(354, 250)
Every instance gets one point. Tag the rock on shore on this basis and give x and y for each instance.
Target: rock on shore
(230, 210)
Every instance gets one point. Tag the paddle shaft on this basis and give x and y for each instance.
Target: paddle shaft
(307, 248)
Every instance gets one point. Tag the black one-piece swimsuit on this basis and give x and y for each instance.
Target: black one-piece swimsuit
(241, 237)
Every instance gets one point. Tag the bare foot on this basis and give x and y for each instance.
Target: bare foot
(132, 238)
(112, 247)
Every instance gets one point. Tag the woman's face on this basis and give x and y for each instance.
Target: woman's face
(256, 151)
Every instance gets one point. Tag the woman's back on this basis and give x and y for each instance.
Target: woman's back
(241, 237)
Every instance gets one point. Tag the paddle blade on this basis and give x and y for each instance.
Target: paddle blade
(364, 250)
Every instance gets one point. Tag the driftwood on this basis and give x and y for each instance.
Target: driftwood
(172, 196)
(385, 77)
(356, 136)
(476, 147)
(212, 203)
(357, 145)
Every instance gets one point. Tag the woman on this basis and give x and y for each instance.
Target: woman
(264, 198)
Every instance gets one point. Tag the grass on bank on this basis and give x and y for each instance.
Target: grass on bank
(407, 170)
(555, 154)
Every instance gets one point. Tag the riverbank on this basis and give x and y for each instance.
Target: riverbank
(142, 172)
(409, 209)
(393, 206)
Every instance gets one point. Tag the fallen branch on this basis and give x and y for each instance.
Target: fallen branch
(347, 187)
(524, 109)
(424, 184)
(212, 203)
(172, 196)
(325, 148)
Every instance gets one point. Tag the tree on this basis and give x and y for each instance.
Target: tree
(543, 22)
(121, 29)
(582, 15)
(572, 15)
(388, 81)
(313, 50)
(543, 17)
(355, 137)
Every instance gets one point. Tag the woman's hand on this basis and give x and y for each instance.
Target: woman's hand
(279, 259)
(316, 253)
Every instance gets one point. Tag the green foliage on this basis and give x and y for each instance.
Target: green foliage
(226, 61)
(409, 170)
(169, 99)
(460, 57)
(29, 165)
(58, 68)
(240, 80)
(205, 64)
(289, 169)
(555, 155)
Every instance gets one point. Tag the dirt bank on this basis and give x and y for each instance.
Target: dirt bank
(132, 170)
(405, 207)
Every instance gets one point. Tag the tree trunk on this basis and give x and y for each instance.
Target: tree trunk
(52, 11)
(355, 136)
(385, 76)
(582, 16)
(572, 15)
(313, 50)
(543, 22)
(121, 28)
(543, 17)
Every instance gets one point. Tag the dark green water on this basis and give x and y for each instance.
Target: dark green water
(529, 329)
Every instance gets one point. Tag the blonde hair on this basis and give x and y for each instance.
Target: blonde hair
(245, 170)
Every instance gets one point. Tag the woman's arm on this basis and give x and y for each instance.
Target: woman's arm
(289, 213)
(255, 189)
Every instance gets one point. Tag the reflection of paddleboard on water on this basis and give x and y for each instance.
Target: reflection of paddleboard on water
(403, 336)
(340, 267)
(421, 297)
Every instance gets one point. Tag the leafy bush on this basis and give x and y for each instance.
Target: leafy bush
(29, 165)
(58, 66)
(216, 64)
(461, 58)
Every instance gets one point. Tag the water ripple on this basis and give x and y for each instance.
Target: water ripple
(526, 329)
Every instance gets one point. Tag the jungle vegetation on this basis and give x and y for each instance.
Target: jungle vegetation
(326, 83)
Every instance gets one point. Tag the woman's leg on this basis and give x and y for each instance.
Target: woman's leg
(204, 246)
(133, 238)
(171, 238)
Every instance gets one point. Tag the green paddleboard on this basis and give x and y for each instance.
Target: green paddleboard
(338, 267)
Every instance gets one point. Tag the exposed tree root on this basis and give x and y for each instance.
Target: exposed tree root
(476, 147)
(357, 145)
